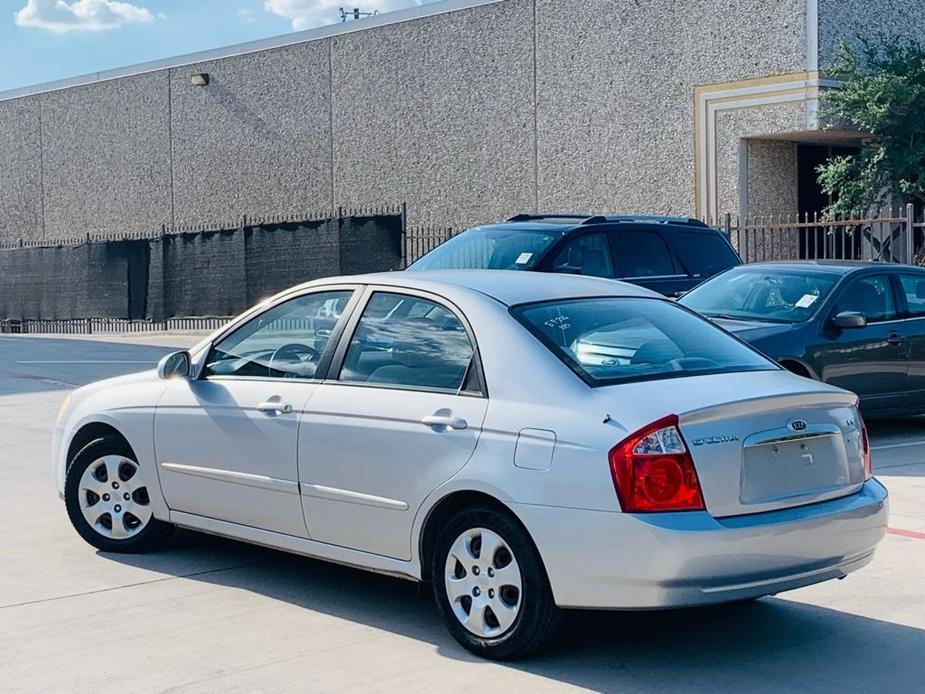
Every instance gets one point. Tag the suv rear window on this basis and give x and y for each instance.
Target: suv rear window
(490, 248)
(610, 340)
(704, 253)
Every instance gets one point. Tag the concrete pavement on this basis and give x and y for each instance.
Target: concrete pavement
(214, 615)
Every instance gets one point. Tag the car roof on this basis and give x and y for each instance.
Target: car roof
(565, 223)
(838, 266)
(510, 287)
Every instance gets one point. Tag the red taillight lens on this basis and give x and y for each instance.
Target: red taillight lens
(865, 452)
(653, 470)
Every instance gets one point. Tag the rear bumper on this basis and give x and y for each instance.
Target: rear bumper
(615, 560)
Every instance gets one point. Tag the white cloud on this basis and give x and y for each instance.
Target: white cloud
(61, 17)
(306, 14)
(247, 14)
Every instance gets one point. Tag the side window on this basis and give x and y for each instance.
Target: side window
(588, 255)
(704, 253)
(408, 342)
(914, 289)
(285, 341)
(871, 296)
(642, 254)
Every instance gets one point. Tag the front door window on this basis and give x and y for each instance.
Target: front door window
(285, 341)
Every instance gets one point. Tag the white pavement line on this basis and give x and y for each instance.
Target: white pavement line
(897, 445)
(87, 361)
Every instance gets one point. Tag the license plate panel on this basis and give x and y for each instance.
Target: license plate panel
(802, 467)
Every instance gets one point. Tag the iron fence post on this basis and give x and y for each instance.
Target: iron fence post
(910, 234)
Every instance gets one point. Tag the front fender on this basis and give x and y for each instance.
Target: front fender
(115, 404)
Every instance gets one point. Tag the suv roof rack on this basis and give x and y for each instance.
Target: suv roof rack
(583, 219)
(566, 217)
(657, 219)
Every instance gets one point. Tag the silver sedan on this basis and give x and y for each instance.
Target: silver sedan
(524, 442)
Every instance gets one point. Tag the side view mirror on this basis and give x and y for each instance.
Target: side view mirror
(175, 365)
(847, 320)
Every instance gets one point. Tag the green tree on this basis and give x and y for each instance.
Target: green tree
(883, 94)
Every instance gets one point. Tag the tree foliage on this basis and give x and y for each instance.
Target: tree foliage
(883, 94)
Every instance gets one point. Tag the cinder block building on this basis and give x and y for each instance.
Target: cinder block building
(463, 110)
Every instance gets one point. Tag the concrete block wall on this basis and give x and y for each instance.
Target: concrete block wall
(438, 112)
(106, 157)
(615, 81)
(20, 170)
(257, 139)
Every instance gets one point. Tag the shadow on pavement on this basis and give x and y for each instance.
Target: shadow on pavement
(767, 645)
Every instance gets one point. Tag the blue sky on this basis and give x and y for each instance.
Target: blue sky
(44, 40)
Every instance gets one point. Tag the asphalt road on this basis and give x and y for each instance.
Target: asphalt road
(213, 615)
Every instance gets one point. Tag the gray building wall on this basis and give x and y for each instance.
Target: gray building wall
(20, 169)
(615, 85)
(846, 20)
(106, 157)
(465, 115)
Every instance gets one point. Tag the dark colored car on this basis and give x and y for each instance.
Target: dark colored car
(667, 254)
(857, 325)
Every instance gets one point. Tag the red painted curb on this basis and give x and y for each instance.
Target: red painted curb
(906, 533)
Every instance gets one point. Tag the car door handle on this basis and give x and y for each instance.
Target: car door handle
(274, 406)
(895, 339)
(436, 420)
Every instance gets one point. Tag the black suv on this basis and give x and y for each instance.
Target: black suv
(668, 254)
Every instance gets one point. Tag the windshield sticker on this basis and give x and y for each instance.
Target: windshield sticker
(806, 301)
(523, 258)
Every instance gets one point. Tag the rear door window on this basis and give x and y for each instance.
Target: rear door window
(588, 255)
(641, 254)
(405, 341)
(703, 254)
(914, 289)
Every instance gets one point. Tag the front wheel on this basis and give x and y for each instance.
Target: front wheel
(107, 499)
(491, 587)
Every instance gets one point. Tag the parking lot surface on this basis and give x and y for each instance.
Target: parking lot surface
(213, 615)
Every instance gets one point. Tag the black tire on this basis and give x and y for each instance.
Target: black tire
(538, 619)
(148, 539)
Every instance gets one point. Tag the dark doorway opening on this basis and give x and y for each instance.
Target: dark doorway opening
(811, 200)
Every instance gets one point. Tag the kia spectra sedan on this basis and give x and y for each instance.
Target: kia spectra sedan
(524, 442)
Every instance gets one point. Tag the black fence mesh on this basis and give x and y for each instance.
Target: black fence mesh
(207, 273)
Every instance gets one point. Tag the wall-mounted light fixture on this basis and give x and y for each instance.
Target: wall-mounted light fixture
(200, 79)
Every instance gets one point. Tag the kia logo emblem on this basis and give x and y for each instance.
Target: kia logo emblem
(797, 425)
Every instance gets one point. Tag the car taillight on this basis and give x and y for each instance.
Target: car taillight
(865, 452)
(653, 470)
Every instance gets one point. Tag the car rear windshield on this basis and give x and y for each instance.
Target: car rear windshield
(704, 253)
(761, 294)
(609, 340)
(490, 248)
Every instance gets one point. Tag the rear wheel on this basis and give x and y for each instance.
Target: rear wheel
(491, 587)
(108, 501)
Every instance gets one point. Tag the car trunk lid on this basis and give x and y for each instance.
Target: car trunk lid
(794, 442)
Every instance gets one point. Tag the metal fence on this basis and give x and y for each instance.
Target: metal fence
(890, 237)
(111, 326)
(420, 240)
